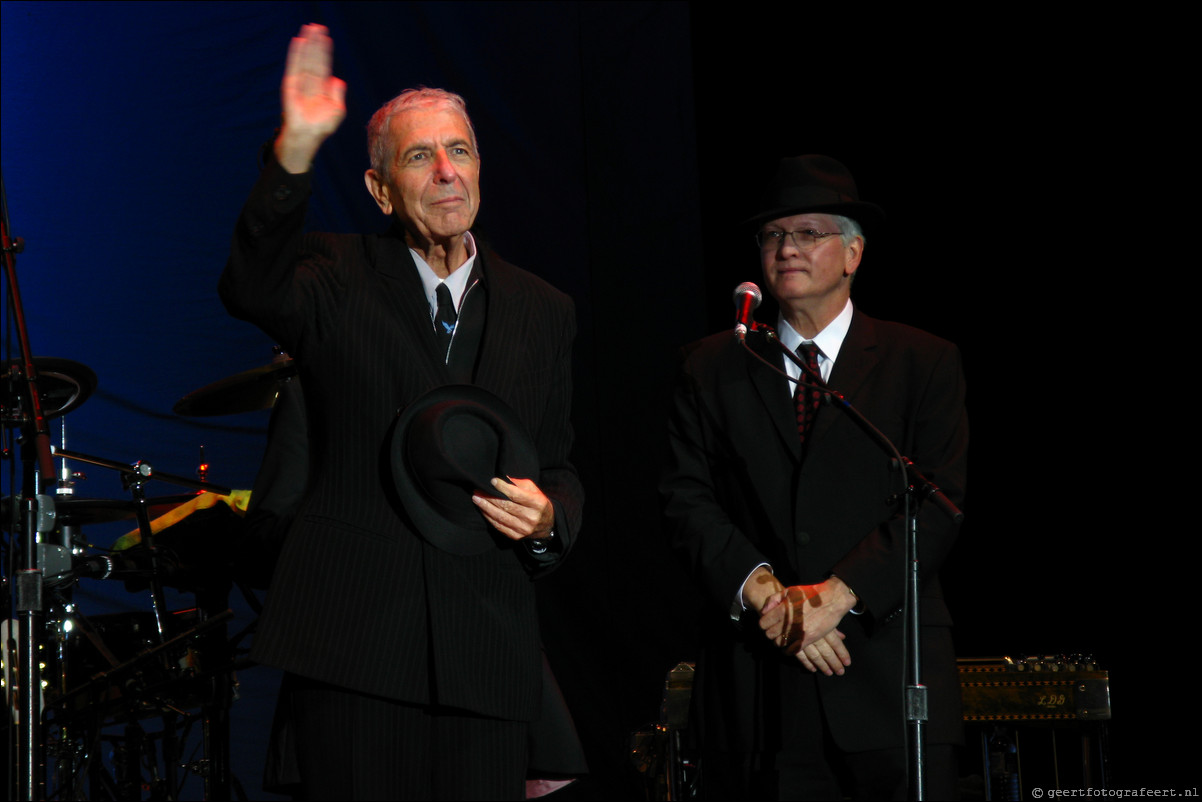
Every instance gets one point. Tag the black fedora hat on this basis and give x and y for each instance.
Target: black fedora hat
(449, 442)
(814, 183)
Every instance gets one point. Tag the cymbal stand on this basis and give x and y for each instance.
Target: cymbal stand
(214, 716)
(135, 482)
(38, 509)
(134, 478)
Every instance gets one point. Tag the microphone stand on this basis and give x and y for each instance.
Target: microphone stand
(917, 489)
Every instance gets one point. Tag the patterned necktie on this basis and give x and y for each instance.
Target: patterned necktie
(444, 321)
(807, 398)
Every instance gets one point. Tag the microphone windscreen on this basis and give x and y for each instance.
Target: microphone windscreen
(748, 288)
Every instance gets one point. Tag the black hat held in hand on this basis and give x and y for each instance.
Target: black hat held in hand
(448, 443)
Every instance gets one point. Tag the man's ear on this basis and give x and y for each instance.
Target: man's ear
(379, 191)
(854, 253)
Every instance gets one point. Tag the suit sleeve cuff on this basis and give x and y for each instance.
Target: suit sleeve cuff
(737, 607)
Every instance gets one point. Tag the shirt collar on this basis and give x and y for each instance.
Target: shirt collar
(456, 282)
(829, 340)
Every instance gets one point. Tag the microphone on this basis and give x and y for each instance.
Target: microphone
(747, 300)
(101, 567)
(131, 564)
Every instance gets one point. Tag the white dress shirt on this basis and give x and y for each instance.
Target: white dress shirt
(456, 282)
(829, 341)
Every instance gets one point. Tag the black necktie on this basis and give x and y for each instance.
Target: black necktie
(444, 321)
(807, 398)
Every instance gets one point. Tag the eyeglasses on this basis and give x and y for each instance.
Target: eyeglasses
(805, 239)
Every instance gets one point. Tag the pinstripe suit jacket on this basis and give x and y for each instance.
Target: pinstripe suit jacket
(358, 599)
(737, 493)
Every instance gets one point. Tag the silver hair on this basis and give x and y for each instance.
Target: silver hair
(849, 228)
(379, 130)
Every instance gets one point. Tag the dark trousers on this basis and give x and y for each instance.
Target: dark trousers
(353, 746)
(877, 775)
(806, 764)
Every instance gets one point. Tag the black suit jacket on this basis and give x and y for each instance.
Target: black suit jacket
(357, 598)
(736, 493)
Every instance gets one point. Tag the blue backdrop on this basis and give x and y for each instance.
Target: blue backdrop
(132, 132)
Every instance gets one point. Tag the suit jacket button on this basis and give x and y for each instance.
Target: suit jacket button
(803, 538)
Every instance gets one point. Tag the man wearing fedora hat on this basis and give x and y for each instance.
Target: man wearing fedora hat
(401, 608)
(788, 515)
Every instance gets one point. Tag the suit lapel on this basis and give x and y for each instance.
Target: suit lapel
(771, 389)
(403, 286)
(505, 318)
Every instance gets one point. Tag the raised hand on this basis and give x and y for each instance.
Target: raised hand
(313, 100)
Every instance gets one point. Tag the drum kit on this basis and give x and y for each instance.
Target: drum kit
(122, 696)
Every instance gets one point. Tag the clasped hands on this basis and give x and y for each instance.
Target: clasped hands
(803, 620)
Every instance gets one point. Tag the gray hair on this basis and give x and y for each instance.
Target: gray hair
(379, 130)
(850, 229)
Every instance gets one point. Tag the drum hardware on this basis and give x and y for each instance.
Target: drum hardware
(143, 684)
(33, 391)
(140, 472)
(62, 386)
(25, 395)
(166, 681)
(83, 721)
(124, 725)
(134, 478)
(75, 511)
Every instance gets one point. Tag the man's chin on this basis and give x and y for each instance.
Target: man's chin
(451, 225)
(441, 231)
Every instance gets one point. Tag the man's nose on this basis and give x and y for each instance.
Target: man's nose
(789, 246)
(443, 169)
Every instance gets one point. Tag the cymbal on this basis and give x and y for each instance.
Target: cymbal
(249, 391)
(62, 386)
(84, 511)
(69, 510)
